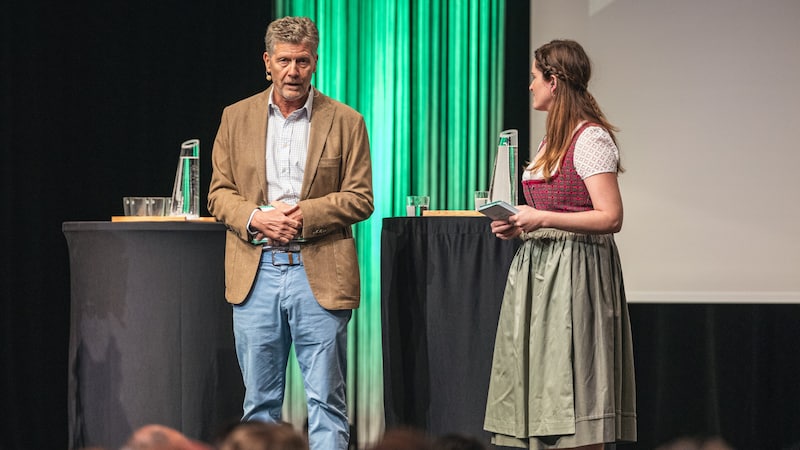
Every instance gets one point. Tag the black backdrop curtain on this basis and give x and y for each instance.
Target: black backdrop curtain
(96, 99)
(718, 370)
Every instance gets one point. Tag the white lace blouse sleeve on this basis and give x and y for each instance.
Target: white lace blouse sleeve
(595, 152)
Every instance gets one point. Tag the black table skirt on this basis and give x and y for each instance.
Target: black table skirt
(150, 334)
(442, 282)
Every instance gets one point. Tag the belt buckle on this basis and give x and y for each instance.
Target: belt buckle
(293, 257)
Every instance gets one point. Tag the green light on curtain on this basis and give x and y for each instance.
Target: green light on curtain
(427, 76)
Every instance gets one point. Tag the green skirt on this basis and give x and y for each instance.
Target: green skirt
(562, 373)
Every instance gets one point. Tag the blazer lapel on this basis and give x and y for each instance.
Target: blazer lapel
(256, 144)
(321, 121)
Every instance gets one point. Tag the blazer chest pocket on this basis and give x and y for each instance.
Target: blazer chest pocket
(328, 163)
(328, 175)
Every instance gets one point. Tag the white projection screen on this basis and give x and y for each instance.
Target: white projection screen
(705, 93)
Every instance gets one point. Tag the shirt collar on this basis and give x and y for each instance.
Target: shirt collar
(307, 105)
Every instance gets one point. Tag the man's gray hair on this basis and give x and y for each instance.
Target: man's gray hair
(292, 30)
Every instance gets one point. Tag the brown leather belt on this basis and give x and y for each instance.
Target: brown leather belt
(284, 257)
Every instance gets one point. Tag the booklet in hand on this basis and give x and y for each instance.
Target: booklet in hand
(498, 210)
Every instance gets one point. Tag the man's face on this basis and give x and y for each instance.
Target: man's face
(291, 67)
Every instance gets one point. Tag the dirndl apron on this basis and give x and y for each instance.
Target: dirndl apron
(562, 372)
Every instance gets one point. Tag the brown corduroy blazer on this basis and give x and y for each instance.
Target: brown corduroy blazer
(336, 193)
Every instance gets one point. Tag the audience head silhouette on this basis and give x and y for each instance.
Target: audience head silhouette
(160, 437)
(455, 441)
(263, 436)
(404, 439)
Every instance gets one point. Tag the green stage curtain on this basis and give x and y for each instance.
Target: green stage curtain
(427, 75)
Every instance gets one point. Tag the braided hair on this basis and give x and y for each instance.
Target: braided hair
(572, 102)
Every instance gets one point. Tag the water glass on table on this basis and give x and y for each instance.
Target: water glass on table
(416, 205)
(481, 198)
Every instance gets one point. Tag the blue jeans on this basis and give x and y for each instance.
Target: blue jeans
(279, 310)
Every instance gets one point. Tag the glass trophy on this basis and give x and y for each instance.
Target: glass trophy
(186, 191)
(505, 174)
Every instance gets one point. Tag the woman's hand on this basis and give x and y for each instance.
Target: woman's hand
(505, 230)
(527, 219)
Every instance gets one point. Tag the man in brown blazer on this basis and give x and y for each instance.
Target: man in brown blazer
(291, 174)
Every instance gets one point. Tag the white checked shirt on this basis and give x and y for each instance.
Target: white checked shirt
(287, 147)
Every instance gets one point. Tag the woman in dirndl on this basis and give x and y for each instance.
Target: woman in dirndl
(562, 372)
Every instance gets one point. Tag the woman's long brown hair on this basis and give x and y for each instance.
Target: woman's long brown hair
(572, 103)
